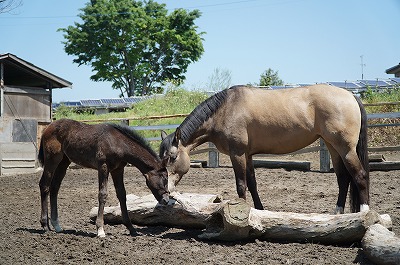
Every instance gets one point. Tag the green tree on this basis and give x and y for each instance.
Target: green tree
(136, 45)
(270, 78)
(6, 6)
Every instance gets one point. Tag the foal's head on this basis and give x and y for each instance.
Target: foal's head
(176, 156)
(157, 181)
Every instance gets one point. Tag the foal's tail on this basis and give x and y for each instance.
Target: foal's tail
(41, 153)
(362, 152)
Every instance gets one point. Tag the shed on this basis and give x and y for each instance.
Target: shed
(394, 70)
(25, 110)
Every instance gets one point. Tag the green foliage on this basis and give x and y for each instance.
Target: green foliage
(136, 45)
(175, 101)
(379, 96)
(270, 78)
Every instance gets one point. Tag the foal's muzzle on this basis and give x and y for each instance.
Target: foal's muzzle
(164, 199)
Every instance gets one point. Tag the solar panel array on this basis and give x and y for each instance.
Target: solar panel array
(115, 103)
(357, 86)
(111, 103)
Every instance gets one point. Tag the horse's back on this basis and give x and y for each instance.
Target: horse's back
(281, 121)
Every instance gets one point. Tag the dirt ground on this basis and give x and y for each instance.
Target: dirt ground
(23, 242)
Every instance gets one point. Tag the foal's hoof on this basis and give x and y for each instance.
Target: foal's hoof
(133, 233)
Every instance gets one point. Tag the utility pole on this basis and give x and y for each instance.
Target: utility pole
(362, 67)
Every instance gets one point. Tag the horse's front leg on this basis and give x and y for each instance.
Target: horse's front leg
(118, 179)
(103, 193)
(239, 167)
(252, 183)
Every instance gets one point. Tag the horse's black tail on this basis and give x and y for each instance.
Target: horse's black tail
(41, 153)
(362, 152)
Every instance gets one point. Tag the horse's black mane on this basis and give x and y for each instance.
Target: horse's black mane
(201, 114)
(134, 136)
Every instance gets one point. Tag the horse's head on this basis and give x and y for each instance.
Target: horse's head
(176, 156)
(157, 181)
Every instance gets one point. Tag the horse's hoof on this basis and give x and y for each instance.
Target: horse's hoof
(101, 233)
(56, 226)
(364, 208)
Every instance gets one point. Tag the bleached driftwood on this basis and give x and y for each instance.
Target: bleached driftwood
(236, 220)
(185, 210)
(381, 245)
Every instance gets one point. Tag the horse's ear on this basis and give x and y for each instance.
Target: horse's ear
(178, 134)
(163, 135)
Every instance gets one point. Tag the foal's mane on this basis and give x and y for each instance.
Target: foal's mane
(202, 113)
(135, 137)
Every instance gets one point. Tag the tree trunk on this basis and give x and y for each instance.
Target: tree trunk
(236, 220)
(381, 246)
(186, 210)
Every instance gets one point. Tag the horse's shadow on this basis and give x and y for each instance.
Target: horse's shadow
(66, 232)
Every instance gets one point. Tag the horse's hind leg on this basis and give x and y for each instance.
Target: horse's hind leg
(360, 189)
(55, 187)
(118, 179)
(45, 183)
(252, 183)
(343, 179)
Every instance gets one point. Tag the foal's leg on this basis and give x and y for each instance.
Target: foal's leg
(58, 176)
(118, 179)
(343, 179)
(45, 182)
(252, 183)
(44, 185)
(103, 193)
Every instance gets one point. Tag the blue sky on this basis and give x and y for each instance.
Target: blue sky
(306, 41)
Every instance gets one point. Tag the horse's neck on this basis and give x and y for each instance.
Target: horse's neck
(197, 139)
(143, 160)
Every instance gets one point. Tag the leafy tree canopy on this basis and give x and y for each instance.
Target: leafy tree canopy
(136, 45)
(6, 6)
(270, 78)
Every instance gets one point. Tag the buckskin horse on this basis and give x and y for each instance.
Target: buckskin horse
(104, 147)
(243, 121)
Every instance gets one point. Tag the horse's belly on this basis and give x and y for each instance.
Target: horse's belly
(280, 143)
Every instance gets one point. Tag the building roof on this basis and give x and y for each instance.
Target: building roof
(394, 70)
(18, 72)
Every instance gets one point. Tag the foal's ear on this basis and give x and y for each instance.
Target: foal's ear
(163, 135)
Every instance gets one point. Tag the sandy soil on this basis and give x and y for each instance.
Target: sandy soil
(23, 242)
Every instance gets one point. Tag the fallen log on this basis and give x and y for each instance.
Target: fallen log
(236, 220)
(381, 245)
(186, 210)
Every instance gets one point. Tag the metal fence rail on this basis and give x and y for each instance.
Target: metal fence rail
(213, 153)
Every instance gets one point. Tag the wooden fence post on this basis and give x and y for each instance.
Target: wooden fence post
(324, 157)
(213, 156)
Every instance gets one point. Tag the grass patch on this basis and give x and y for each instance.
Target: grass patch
(175, 101)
